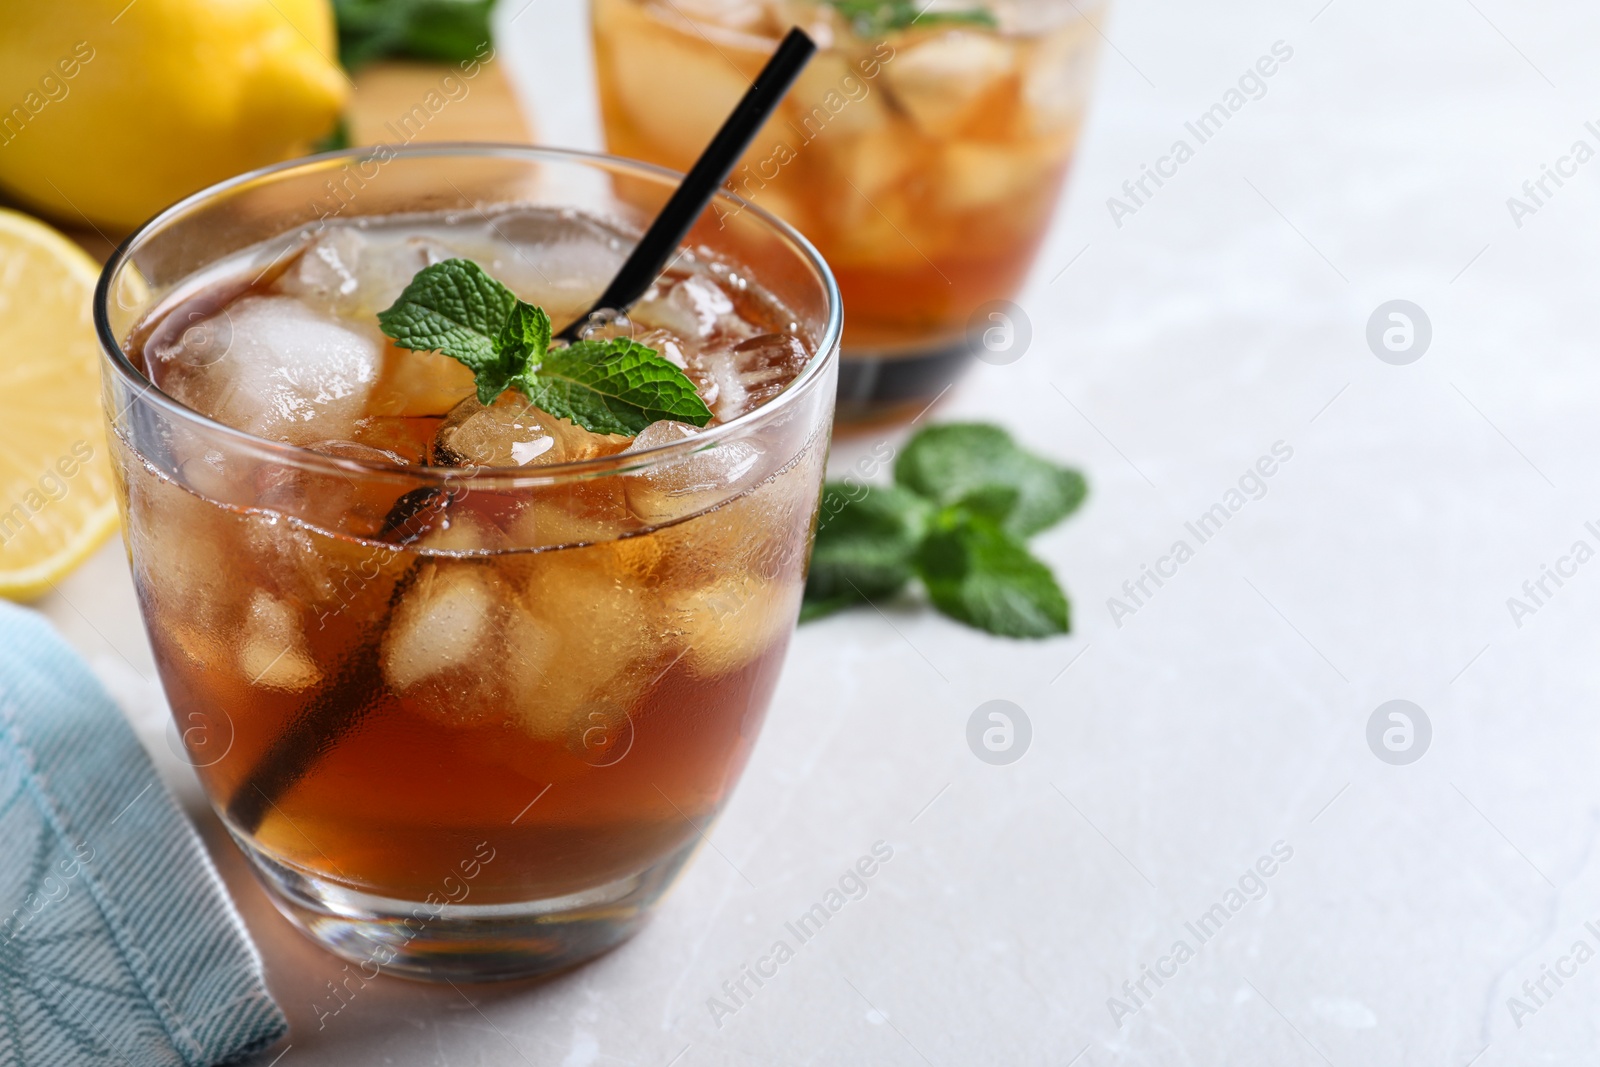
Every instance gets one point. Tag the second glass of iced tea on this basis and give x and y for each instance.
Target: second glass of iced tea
(923, 151)
(467, 684)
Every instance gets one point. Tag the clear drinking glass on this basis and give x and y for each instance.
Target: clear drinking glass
(524, 809)
(923, 150)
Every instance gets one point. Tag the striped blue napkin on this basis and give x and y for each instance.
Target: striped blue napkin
(117, 943)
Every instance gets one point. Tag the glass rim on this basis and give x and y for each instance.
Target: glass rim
(827, 351)
(721, 33)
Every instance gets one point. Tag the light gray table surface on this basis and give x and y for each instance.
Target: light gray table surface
(1226, 715)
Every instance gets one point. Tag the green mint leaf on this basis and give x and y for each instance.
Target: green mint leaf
(997, 503)
(867, 538)
(979, 574)
(870, 17)
(979, 463)
(520, 349)
(448, 30)
(615, 386)
(454, 307)
(526, 336)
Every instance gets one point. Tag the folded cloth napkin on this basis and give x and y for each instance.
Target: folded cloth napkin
(117, 943)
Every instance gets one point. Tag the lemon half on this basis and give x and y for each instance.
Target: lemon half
(57, 502)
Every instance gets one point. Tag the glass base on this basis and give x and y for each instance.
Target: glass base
(882, 387)
(464, 942)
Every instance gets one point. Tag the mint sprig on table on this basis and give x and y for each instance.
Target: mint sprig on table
(964, 502)
(871, 17)
(613, 386)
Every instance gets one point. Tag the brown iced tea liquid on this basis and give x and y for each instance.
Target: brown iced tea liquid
(570, 796)
(567, 676)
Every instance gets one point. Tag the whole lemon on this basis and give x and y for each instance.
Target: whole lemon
(112, 110)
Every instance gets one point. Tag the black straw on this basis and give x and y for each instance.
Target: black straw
(704, 179)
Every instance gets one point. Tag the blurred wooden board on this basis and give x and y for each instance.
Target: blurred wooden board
(398, 102)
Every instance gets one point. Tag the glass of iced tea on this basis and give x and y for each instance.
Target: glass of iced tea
(923, 151)
(466, 682)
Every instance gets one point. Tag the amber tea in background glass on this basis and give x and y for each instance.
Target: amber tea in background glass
(924, 160)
